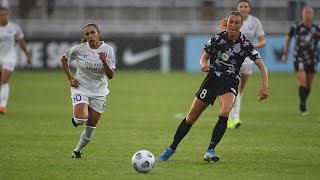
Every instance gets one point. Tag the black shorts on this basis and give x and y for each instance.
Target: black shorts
(308, 68)
(213, 86)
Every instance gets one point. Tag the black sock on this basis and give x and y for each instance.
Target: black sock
(303, 94)
(182, 131)
(307, 92)
(218, 131)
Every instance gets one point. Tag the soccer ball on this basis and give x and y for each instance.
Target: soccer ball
(143, 161)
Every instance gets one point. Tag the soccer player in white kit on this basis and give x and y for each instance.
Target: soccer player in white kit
(9, 34)
(252, 29)
(95, 62)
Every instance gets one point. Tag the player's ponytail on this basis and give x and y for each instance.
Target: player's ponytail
(83, 39)
(223, 25)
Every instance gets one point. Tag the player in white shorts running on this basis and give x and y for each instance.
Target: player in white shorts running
(9, 34)
(95, 62)
(252, 29)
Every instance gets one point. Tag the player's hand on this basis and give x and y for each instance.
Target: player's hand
(74, 82)
(29, 62)
(263, 93)
(103, 57)
(205, 68)
(284, 58)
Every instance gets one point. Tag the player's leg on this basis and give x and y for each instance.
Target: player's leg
(0, 78)
(88, 130)
(95, 108)
(4, 89)
(80, 116)
(8, 65)
(1, 110)
(310, 76)
(80, 109)
(227, 101)
(246, 71)
(195, 111)
(303, 91)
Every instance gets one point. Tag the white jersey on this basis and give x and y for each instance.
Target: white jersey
(252, 29)
(90, 71)
(9, 34)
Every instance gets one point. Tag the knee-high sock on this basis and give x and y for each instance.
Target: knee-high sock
(235, 112)
(303, 94)
(218, 131)
(4, 94)
(181, 132)
(85, 137)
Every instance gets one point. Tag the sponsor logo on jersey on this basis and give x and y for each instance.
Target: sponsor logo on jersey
(250, 27)
(237, 48)
(225, 56)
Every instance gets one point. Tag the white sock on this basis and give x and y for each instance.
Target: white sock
(4, 94)
(85, 137)
(235, 112)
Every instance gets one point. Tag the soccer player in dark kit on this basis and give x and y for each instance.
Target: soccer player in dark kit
(306, 58)
(226, 51)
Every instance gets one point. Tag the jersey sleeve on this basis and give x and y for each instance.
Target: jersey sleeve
(260, 31)
(111, 60)
(70, 54)
(253, 54)
(318, 31)
(292, 31)
(210, 46)
(19, 34)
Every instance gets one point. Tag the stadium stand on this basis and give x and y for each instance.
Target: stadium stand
(178, 17)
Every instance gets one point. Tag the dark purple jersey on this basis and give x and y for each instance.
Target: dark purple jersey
(307, 38)
(227, 56)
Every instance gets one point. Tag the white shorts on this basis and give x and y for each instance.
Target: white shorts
(246, 67)
(8, 61)
(97, 103)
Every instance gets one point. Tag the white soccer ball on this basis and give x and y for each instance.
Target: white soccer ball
(143, 161)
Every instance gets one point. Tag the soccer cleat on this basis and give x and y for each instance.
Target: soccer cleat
(237, 123)
(230, 124)
(74, 123)
(303, 110)
(76, 154)
(305, 113)
(3, 110)
(211, 156)
(166, 154)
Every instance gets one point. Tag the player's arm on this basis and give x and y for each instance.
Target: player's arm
(261, 42)
(204, 62)
(65, 65)
(263, 93)
(23, 46)
(260, 34)
(109, 71)
(285, 49)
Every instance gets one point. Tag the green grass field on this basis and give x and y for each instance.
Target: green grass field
(274, 142)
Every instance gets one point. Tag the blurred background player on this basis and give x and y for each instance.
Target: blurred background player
(89, 87)
(307, 35)
(9, 34)
(227, 51)
(252, 29)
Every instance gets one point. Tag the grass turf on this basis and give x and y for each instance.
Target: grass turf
(274, 142)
